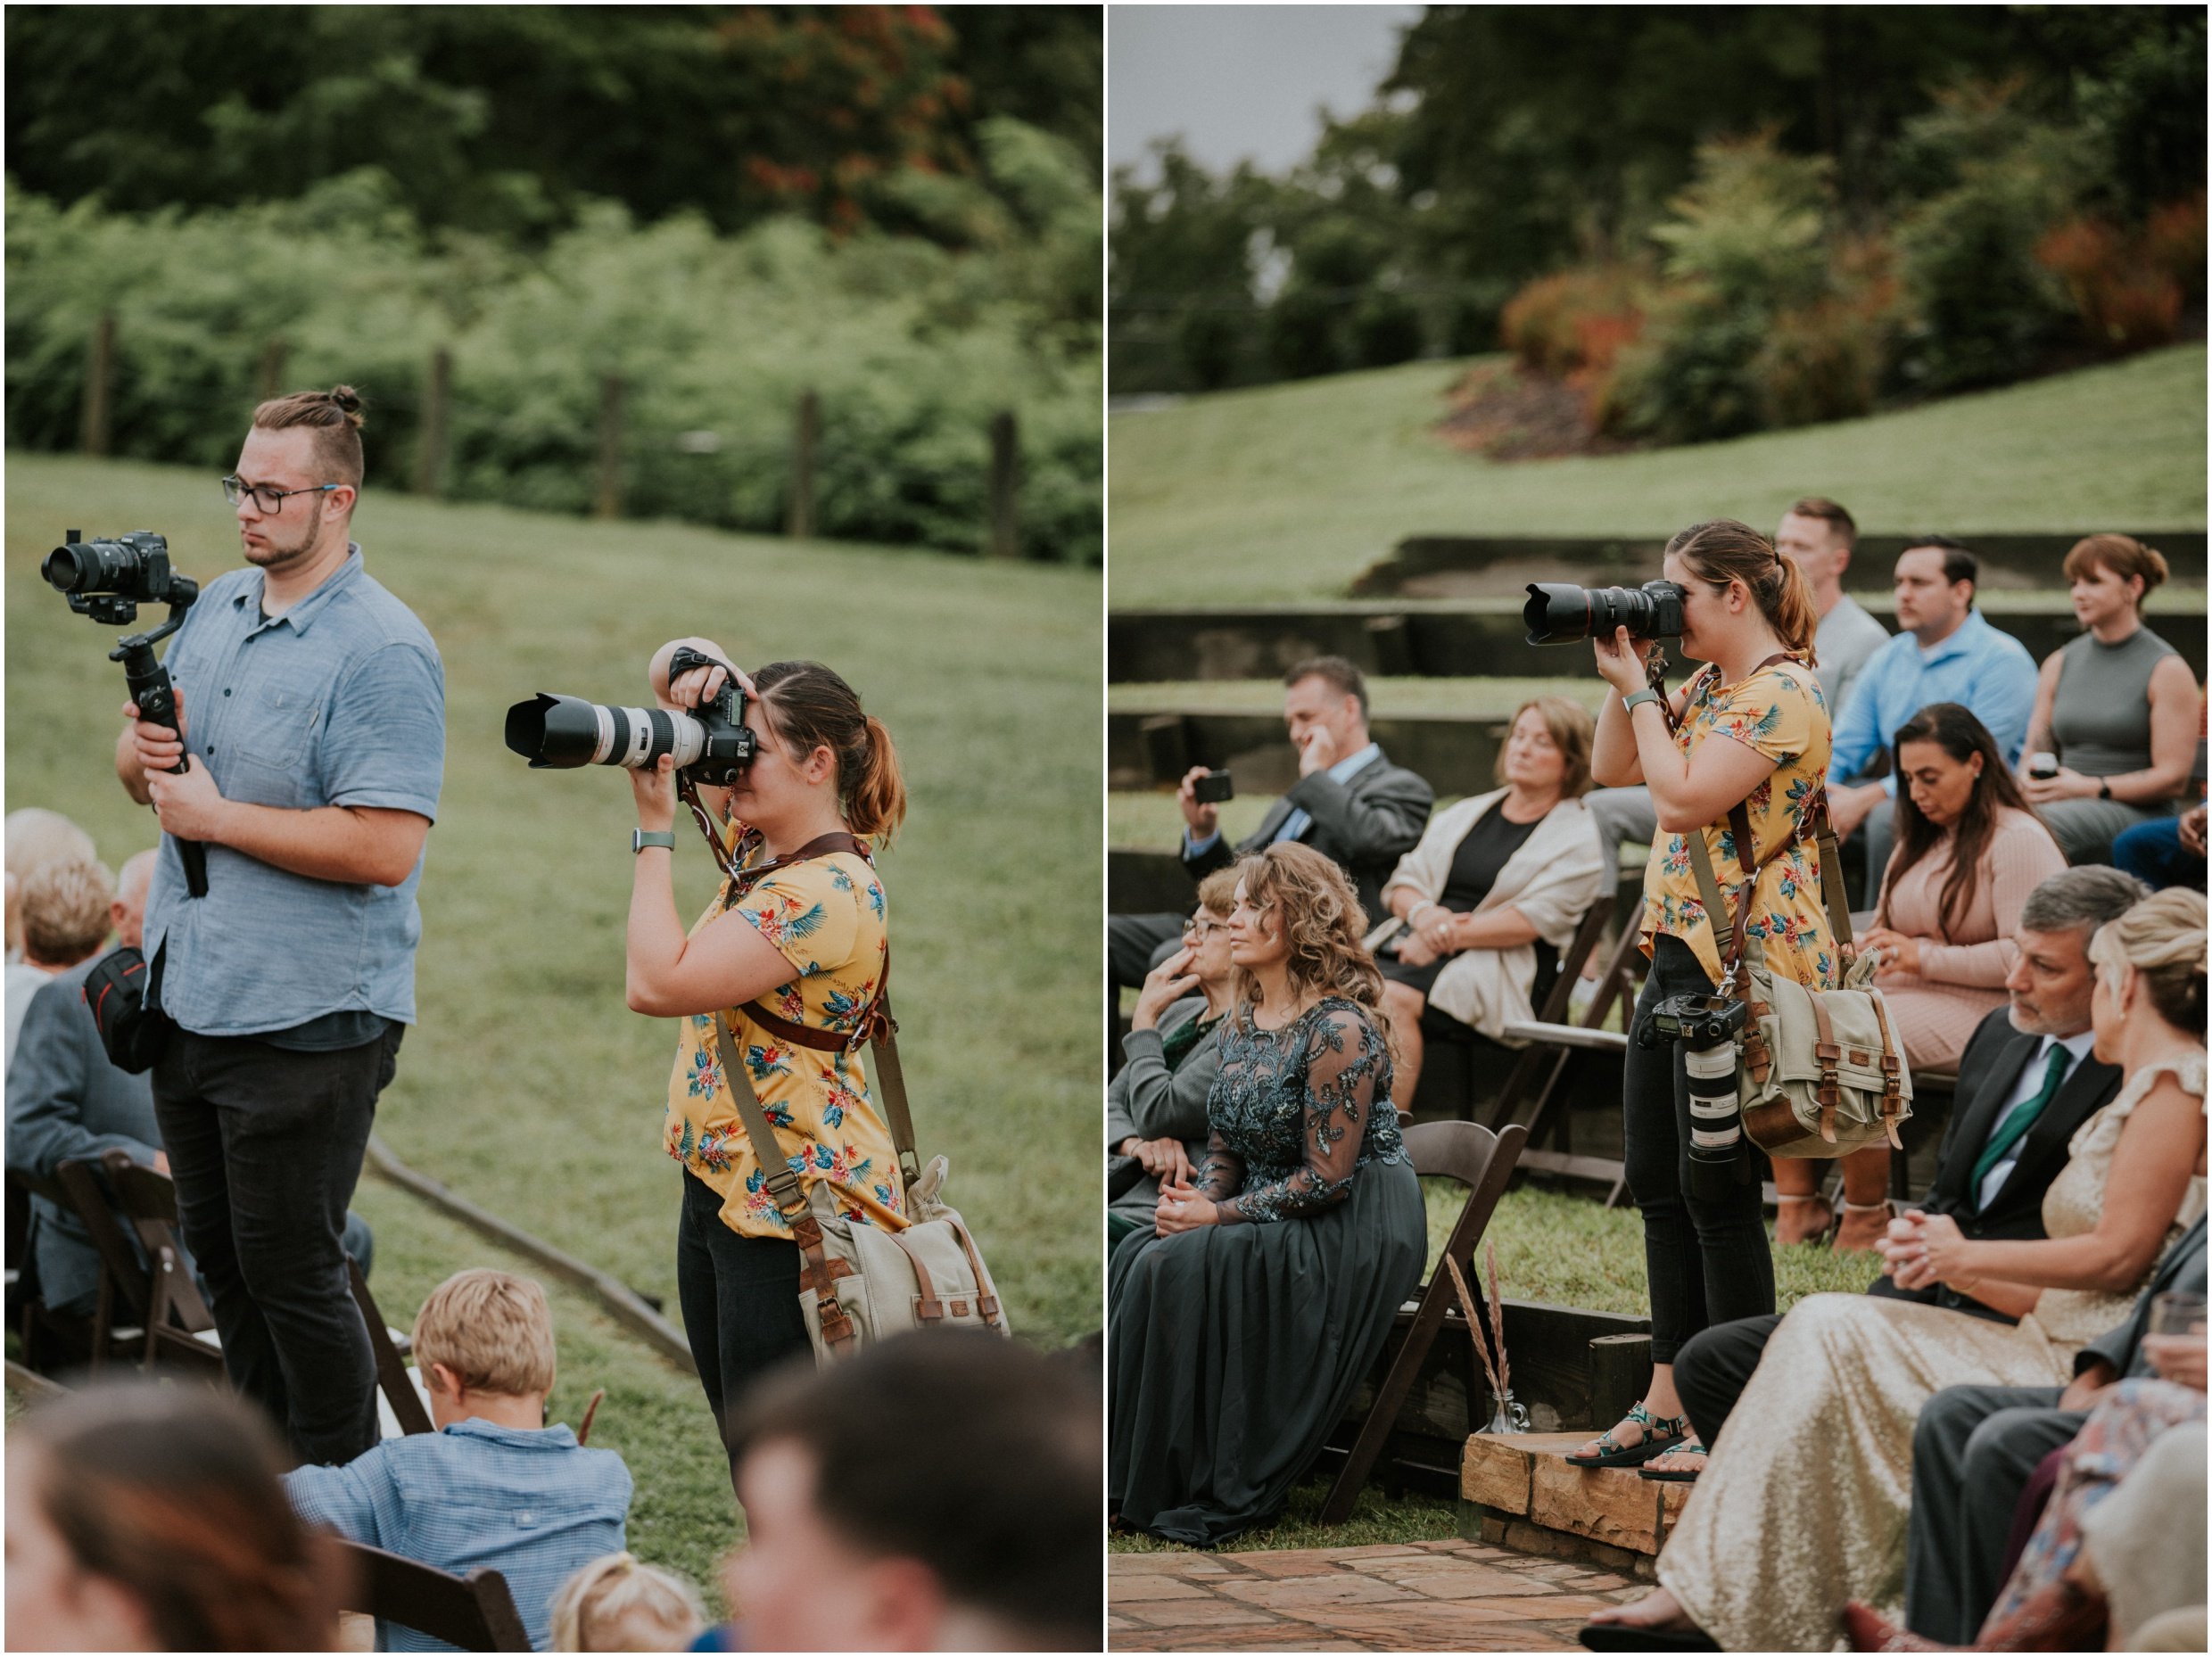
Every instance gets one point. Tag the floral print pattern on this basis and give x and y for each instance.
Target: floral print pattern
(1296, 1113)
(1779, 711)
(826, 917)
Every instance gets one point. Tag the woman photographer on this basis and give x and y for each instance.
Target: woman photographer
(796, 938)
(1750, 728)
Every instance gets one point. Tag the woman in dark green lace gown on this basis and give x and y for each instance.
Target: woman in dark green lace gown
(1240, 1327)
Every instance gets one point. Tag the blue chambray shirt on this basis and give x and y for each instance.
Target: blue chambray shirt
(533, 1505)
(338, 701)
(1986, 671)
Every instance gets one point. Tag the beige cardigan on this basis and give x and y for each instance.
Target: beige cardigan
(1553, 881)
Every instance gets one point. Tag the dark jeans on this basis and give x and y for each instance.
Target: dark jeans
(740, 1299)
(1707, 1260)
(1974, 1450)
(2152, 853)
(265, 1147)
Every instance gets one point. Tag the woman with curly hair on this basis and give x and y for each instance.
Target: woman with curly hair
(1244, 1321)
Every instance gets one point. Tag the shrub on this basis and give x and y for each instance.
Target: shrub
(2125, 301)
(1386, 329)
(1573, 319)
(1981, 307)
(911, 348)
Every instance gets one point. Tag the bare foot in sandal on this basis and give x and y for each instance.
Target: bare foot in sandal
(1637, 1436)
(1801, 1219)
(1680, 1465)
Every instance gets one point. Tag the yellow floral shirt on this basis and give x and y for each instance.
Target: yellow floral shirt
(1780, 711)
(826, 917)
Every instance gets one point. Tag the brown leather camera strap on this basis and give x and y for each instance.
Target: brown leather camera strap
(1746, 845)
(877, 1027)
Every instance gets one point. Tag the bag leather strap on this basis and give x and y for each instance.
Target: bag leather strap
(877, 1027)
(1738, 819)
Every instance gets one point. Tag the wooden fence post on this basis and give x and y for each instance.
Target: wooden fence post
(607, 503)
(430, 441)
(806, 437)
(269, 378)
(93, 436)
(1006, 537)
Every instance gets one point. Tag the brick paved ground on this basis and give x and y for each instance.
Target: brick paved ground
(1466, 1596)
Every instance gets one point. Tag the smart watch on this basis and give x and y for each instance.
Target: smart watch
(639, 839)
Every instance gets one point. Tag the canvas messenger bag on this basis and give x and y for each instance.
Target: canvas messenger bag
(1820, 1072)
(860, 1284)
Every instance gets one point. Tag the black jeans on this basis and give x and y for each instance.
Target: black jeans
(740, 1299)
(1707, 1260)
(266, 1147)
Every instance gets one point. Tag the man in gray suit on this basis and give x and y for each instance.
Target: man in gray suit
(1974, 1448)
(1350, 803)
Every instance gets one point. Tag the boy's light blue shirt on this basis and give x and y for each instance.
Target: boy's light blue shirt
(535, 1506)
(1989, 672)
(338, 701)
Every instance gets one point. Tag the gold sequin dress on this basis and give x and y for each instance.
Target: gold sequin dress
(1803, 1504)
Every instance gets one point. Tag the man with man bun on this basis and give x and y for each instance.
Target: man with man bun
(313, 708)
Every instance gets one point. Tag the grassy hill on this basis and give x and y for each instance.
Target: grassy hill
(527, 1085)
(1288, 491)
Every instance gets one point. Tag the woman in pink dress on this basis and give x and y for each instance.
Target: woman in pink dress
(1968, 850)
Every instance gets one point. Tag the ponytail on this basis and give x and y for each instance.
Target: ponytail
(1723, 550)
(875, 800)
(811, 707)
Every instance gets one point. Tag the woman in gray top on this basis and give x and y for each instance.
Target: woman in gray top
(1156, 1103)
(2117, 706)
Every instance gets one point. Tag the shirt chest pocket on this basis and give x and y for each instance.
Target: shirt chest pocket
(272, 727)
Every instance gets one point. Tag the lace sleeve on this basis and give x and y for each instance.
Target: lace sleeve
(1345, 1065)
(1221, 1175)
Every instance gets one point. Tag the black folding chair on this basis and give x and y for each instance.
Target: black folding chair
(475, 1613)
(1484, 1162)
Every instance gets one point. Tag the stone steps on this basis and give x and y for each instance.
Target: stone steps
(1484, 636)
(1525, 1481)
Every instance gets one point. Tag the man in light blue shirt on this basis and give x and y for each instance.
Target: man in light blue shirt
(313, 708)
(1944, 652)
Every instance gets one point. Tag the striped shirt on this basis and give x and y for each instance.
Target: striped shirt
(532, 1505)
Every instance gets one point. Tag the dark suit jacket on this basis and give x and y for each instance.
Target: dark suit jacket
(1366, 825)
(64, 1100)
(2182, 1269)
(1988, 1071)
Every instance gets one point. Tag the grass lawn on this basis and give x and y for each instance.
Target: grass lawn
(527, 1085)
(1311, 483)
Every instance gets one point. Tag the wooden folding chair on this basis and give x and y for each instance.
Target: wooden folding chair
(475, 1613)
(1531, 1090)
(393, 1378)
(52, 1340)
(1484, 1162)
(122, 1320)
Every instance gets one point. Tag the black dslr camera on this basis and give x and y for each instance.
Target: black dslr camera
(1559, 613)
(713, 745)
(108, 580)
(1694, 1020)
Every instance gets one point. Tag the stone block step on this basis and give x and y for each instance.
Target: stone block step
(1484, 635)
(1527, 1477)
(1450, 565)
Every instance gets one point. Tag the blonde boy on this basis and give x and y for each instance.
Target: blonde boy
(493, 1486)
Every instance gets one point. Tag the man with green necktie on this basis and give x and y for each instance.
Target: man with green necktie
(2026, 1082)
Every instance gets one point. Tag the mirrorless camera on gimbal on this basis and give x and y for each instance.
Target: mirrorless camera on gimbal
(108, 578)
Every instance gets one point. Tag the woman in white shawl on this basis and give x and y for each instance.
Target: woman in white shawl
(1490, 877)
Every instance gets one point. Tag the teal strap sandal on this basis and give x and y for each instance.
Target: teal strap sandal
(1661, 1433)
(1676, 1475)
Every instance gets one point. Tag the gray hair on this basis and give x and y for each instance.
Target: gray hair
(2083, 899)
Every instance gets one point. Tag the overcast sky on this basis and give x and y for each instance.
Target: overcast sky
(1242, 82)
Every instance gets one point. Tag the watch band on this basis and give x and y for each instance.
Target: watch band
(2104, 788)
(639, 839)
(1629, 701)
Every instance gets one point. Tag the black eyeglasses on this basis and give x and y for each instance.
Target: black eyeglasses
(266, 496)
